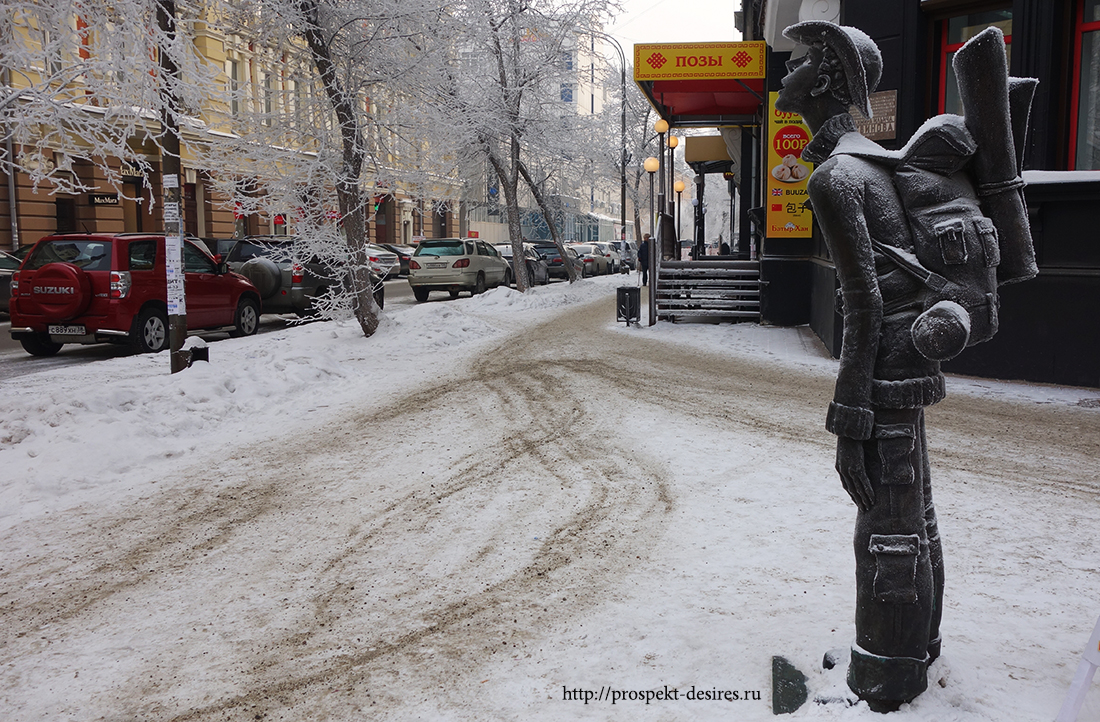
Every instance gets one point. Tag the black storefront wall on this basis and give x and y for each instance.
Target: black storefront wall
(1050, 327)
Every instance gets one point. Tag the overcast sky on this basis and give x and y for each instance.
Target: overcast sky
(674, 21)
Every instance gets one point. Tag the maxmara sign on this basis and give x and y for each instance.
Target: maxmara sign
(698, 61)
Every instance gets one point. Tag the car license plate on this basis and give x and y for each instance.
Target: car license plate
(67, 331)
(437, 265)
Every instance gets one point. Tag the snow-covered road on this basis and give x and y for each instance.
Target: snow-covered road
(534, 502)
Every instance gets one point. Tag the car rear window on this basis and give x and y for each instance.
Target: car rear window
(244, 250)
(143, 255)
(583, 249)
(441, 248)
(88, 255)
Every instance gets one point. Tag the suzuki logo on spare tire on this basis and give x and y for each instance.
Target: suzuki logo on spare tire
(61, 291)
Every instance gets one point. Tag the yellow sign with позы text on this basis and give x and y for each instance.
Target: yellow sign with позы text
(699, 61)
(789, 214)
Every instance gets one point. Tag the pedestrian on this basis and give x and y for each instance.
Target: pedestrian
(643, 259)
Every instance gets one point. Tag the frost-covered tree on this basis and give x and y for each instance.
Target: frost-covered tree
(316, 135)
(497, 98)
(82, 82)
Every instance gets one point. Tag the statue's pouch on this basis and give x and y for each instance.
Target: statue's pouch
(895, 567)
(895, 447)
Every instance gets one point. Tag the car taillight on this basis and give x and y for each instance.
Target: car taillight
(15, 283)
(297, 273)
(461, 263)
(414, 265)
(120, 284)
(589, 260)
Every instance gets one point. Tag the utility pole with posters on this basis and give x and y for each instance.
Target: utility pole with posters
(170, 178)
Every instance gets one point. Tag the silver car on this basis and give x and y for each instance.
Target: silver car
(596, 261)
(455, 265)
(611, 250)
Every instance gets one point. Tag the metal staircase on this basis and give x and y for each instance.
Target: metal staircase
(708, 289)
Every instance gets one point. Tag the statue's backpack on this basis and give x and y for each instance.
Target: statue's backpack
(964, 202)
(955, 246)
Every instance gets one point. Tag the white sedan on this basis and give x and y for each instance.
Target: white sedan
(454, 265)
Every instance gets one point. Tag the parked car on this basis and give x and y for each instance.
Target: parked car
(538, 271)
(455, 265)
(631, 257)
(404, 253)
(555, 264)
(22, 252)
(612, 252)
(102, 287)
(595, 260)
(286, 281)
(384, 263)
(219, 246)
(9, 264)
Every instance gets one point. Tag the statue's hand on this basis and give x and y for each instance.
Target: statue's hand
(853, 473)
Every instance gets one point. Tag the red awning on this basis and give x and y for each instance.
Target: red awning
(699, 103)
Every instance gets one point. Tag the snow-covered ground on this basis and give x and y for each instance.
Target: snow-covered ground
(716, 534)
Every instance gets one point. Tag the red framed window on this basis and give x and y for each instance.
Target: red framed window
(954, 33)
(1084, 138)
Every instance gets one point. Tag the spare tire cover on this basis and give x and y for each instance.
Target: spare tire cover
(264, 274)
(61, 290)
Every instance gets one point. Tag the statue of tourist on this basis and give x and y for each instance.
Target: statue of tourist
(920, 238)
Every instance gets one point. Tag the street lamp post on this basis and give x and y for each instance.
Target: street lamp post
(661, 127)
(679, 188)
(673, 141)
(622, 148)
(652, 165)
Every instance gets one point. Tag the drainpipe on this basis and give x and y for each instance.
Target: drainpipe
(13, 205)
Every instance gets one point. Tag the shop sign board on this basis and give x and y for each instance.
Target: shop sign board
(103, 199)
(883, 125)
(699, 61)
(789, 214)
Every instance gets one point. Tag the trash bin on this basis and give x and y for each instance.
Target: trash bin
(628, 305)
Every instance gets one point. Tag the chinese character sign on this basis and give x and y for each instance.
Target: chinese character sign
(789, 215)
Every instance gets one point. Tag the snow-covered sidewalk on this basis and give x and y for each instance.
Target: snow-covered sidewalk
(498, 503)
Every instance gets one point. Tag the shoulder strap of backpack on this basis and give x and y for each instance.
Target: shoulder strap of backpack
(909, 263)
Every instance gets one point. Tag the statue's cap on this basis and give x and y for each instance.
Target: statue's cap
(859, 56)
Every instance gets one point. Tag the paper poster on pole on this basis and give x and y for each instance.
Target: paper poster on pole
(174, 279)
(789, 214)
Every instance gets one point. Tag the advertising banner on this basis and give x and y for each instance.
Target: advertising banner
(789, 214)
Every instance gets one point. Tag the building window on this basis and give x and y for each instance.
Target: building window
(1085, 139)
(51, 45)
(269, 98)
(956, 31)
(567, 92)
(567, 60)
(234, 88)
(66, 215)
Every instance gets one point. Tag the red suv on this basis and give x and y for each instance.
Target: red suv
(104, 287)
